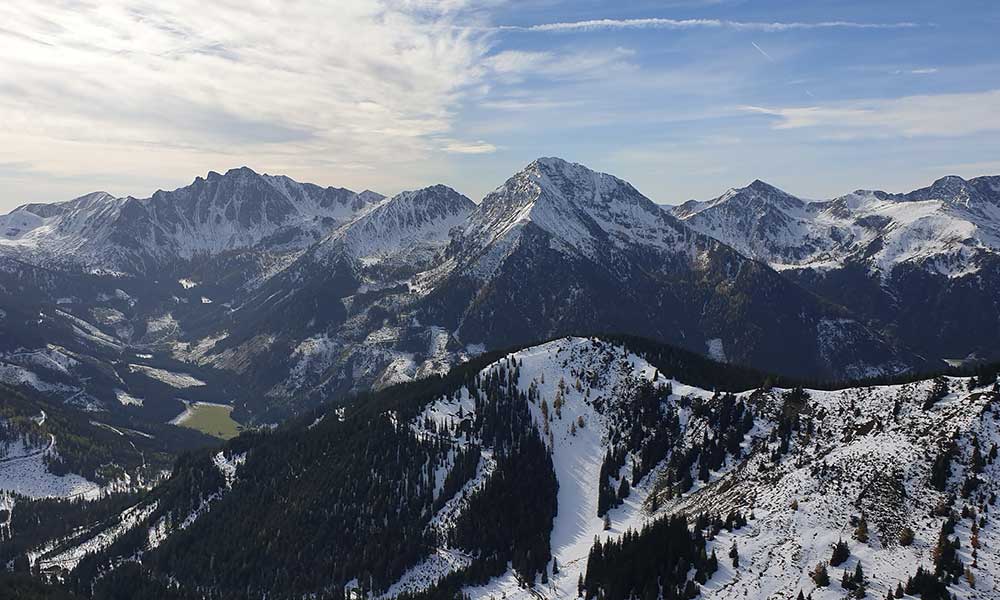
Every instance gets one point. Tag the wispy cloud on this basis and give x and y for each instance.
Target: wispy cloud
(462, 147)
(660, 23)
(761, 50)
(909, 116)
(514, 65)
(186, 85)
(921, 71)
(523, 104)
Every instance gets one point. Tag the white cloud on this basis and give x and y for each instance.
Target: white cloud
(461, 147)
(523, 104)
(657, 23)
(909, 116)
(514, 65)
(307, 87)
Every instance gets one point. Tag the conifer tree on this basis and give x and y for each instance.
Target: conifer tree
(978, 464)
(820, 576)
(846, 581)
(624, 489)
(840, 553)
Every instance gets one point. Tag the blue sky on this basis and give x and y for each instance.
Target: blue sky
(684, 99)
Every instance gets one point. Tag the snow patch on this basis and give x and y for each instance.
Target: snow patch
(716, 351)
(177, 380)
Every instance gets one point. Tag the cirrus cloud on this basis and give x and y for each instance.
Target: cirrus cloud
(908, 116)
(660, 23)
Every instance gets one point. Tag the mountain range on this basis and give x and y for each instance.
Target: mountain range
(529, 396)
(309, 292)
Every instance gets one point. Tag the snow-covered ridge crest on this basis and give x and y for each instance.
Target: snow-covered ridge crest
(407, 221)
(221, 212)
(944, 228)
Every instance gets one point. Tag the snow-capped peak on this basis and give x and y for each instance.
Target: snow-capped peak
(756, 199)
(409, 221)
(578, 208)
(759, 195)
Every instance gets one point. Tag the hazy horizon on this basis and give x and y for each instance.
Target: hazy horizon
(477, 199)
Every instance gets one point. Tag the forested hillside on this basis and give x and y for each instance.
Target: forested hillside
(553, 471)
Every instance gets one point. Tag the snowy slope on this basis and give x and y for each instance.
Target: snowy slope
(842, 462)
(67, 224)
(417, 221)
(24, 472)
(553, 370)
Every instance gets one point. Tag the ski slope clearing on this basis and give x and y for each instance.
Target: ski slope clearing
(26, 473)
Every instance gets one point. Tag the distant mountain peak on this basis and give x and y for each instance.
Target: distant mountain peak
(550, 183)
(234, 172)
(949, 186)
(434, 199)
(955, 190)
(437, 188)
(216, 213)
(770, 193)
(758, 195)
(551, 163)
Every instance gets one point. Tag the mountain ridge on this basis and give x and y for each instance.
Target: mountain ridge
(214, 214)
(406, 286)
